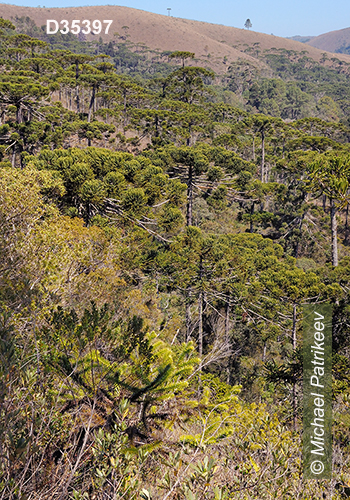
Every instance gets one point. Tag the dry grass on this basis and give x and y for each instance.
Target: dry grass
(210, 42)
(332, 41)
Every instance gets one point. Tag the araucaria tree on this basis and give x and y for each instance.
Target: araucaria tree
(157, 244)
(329, 175)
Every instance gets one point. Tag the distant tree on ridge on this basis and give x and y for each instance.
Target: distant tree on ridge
(248, 24)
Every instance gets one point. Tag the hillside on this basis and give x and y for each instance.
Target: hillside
(162, 228)
(211, 42)
(334, 41)
(300, 38)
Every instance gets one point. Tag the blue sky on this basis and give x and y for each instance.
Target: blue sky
(282, 18)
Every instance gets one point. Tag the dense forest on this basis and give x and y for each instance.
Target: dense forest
(161, 228)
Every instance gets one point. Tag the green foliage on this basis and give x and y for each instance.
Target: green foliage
(158, 242)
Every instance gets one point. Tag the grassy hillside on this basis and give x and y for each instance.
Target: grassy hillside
(335, 41)
(211, 43)
(257, 72)
(161, 228)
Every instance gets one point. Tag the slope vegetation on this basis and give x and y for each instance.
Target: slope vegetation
(217, 45)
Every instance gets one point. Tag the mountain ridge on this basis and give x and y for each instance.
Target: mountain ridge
(217, 45)
(333, 41)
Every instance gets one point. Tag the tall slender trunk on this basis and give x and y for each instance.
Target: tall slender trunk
(124, 111)
(297, 245)
(21, 149)
(294, 342)
(88, 213)
(92, 102)
(188, 314)
(262, 174)
(334, 234)
(13, 159)
(189, 217)
(77, 98)
(156, 124)
(294, 327)
(227, 338)
(251, 228)
(200, 309)
(294, 396)
(200, 324)
(77, 86)
(18, 114)
(188, 140)
(200, 339)
(346, 225)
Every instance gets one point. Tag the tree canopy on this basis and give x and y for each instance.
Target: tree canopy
(162, 228)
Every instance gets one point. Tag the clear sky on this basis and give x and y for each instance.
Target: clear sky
(280, 17)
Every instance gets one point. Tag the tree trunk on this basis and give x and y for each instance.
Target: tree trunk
(21, 162)
(188, 314)
(294, 395)
(334, 234)
(294, 327)
(296, 251)
(77, 86)
(251, 228)
(346, 225)
(294, 342)
(227, 338)
(77, 98)
(18, 114)
(124, 111)
(92, 101)
(189, 217)
(200, 324)
(262, 173)
(13, 159)
(88, 213)
(188, 140)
